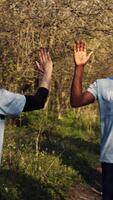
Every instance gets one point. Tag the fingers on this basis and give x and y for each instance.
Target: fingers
(40, 68)
(45, 63)
(80, 46)
(44, 55)
(48, 56)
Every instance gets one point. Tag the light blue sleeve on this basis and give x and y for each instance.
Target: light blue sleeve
(11, 103)
(93, 89)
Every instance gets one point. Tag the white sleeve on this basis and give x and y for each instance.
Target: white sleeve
(11, 103)
(93, 89)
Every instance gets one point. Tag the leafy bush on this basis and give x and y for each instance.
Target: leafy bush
(42, 160)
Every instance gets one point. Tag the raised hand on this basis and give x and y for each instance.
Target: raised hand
(45, 64)
(80, 53)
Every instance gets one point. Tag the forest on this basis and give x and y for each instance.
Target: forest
(53, 154)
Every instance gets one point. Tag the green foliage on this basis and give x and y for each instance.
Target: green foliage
(66, 154)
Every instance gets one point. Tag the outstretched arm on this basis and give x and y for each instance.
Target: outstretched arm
(45, 66)
(78, 97)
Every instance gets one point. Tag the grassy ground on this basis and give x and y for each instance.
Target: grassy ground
(45, 158)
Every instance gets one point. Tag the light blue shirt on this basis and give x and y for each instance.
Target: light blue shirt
(10, 104)
(102, 89)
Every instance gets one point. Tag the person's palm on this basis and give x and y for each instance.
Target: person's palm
(45, 64)
(80, 54)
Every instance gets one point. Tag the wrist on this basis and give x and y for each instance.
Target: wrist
(45, 82)
(79, 66)
(47, 76)
(79, 70)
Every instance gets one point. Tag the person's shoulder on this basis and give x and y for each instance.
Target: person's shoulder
(104, 81)
(110, 78)
(2, 90)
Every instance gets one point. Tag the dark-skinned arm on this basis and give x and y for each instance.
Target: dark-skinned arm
(78, 97)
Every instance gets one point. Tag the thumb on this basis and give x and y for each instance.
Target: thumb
(39, 67)
(89, 55)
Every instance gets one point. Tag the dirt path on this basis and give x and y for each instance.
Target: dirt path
(83, 193)
(90, 192)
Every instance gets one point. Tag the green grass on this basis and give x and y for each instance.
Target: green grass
(42, 160)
